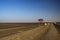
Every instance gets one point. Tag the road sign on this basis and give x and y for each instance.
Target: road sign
(40, 20)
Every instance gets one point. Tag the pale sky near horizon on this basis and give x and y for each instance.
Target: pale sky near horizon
(29, 10)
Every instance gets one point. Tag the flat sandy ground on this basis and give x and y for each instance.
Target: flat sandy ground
(28, 31)
(13, 25)
(7, 29)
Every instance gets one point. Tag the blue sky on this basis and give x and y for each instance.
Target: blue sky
(29, 10)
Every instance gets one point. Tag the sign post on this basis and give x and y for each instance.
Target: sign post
(40, 21)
